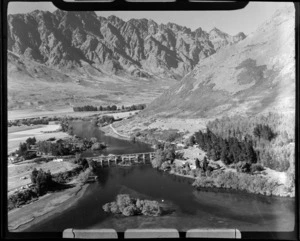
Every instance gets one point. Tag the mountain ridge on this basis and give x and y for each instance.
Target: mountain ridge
(253, 76)
(137, 46)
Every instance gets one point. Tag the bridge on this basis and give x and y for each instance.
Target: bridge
(124, 158)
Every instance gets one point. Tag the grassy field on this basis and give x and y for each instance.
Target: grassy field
(14, 129)
(15, 137)
(18, 171)
(50, 90)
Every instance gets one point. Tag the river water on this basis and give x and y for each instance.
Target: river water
(86, 129)
(189, 208)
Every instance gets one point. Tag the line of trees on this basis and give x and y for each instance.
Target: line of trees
(229, 150)
(109, 108)
(272, 135)
(29, 121)
(60, 148)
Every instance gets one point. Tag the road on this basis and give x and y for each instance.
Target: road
(114, 130)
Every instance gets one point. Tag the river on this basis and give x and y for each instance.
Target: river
(85, 129)
(190, 208)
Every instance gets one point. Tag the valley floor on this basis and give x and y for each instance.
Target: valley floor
(16, 135)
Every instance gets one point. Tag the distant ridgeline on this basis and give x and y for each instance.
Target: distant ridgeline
(109, 108)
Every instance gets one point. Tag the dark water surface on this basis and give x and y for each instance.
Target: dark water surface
(86, 129)
(191, 208)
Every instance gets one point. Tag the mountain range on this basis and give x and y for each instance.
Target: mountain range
(68, 41)
(76, 58)
(252, 76)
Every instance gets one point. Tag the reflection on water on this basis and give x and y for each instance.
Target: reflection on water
(193, 209)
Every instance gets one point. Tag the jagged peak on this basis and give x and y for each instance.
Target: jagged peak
(179, 27)
(114, 18)
(241, 34)
(215, 29)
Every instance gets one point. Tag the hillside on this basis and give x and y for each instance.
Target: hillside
(65, 59)
(253, 76)
(140, 47)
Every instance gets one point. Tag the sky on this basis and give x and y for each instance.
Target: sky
(232, 22)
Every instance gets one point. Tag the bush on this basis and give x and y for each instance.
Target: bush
(123, 200)
(97, 146)
(29, 155)
(263, 131)
(129, 206)
(256, 167)
(165, 166)
(20, 198)
(129, 210)
(106, 207)
(151, 208)
(158, 160)
(114, 208)
(43, 180)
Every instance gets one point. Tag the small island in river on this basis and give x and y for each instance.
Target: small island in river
(128, 206)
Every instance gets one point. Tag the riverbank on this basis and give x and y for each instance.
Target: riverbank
(45, 207)
(266, 182)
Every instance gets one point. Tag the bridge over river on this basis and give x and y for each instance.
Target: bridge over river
(124, 158)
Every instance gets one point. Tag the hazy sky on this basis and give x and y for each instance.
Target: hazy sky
(232, 22)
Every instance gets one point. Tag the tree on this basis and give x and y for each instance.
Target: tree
(197, 163)
(29, 155)
(33, 175)
(30, 141)
(205, 163)
(42, 180)
(70, 130)
(191, 140)
(22, 149)
(263, 131)
(169, 155)
(159, 158)
(123, 200)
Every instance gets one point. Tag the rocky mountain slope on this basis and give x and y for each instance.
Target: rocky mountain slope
(252, 76)
(69, 41)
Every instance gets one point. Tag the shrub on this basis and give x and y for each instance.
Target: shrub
(29, 155)
(158, 160)
(263, 131)
(256, 167)
(129, 210)
(43, 180)
(114, 208)
(106, 207)
(97, 146)
(128, 206)
(165, 166)
(151, 208)
(20, 198)
(123, 200)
